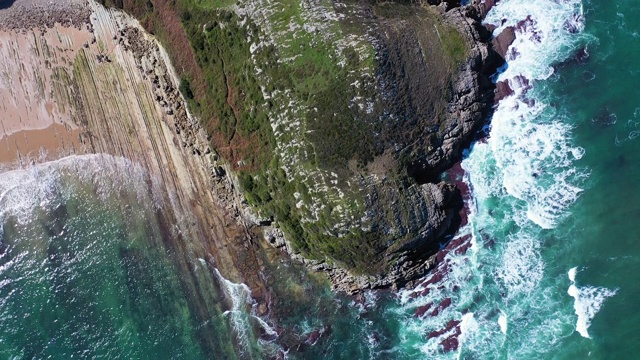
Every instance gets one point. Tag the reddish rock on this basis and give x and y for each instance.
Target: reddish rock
(528, 26)
(522, 82)
(502, 91)
(464, 248)
(450, 325)
(581, 56)
(441, 254)
(445, 303)
(421, 310)
(449, 344)
(486, 6)
(502, 42)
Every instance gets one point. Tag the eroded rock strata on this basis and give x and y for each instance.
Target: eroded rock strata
(99, 84)
(336, 126)
(338, 121)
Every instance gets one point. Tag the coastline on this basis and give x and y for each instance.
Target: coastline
(165, 139)
(513, 259)
(410, 269)
(112, 91)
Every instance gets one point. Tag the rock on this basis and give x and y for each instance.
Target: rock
(484, 6)
(412, 219)
(581, 56)
(262, 309)
(605, 118)
(502, 42)
(503, 90)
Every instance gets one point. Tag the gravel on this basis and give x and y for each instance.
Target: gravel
(30, 14)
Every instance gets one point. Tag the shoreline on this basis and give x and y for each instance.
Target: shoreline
(164, 138)
(39, 145)
(511, 93)
(410, 268)
(113, 92)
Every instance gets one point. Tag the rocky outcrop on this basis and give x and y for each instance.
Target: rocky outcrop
(502, 42)
(29, 14)
(354, 177)
(110, 87)
(413, 220)
(471, 96)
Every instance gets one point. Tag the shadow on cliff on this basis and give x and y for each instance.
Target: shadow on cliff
(5, 4)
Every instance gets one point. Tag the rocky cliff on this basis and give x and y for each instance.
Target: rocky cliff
(435, 109)
(86, 80)
(338, 119)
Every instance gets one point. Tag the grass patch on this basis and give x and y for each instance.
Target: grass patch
(225, 79)
(453, 44)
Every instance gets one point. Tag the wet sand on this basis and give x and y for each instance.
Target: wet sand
(40, 145)
(36, 118)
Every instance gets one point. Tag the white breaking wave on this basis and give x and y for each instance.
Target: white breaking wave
(588, 300)
(241, 301)
(549, 38)
(502, 322)
(531, 146)
(23, 190)
(522, 268)
(529, 140)
(242, 313)
(468, 327)
(523, 180)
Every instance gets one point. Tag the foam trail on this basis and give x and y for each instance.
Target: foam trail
(502, 322)
(523, 181)
(242, 316)
(588, 300)
(239, 294)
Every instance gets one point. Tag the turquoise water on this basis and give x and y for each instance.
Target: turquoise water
(551, 270)
(545, 268)
(88, 270)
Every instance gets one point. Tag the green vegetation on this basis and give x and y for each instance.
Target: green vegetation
(257, 93)
(453, 44)
(309, 68)
(232, 94)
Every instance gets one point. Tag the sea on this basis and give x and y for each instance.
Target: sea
(547, 265)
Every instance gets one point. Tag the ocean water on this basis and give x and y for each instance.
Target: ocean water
(545, 268)
(89, 269)
(550, 272)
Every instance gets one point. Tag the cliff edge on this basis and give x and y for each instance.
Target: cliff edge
(337, 118)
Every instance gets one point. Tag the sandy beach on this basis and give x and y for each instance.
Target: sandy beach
(36, 118)
(76, 78)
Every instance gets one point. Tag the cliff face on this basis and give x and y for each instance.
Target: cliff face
(107, 87)
(434, 108)
(337, 117)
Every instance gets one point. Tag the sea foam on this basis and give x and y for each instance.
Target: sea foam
(588, 300)
(502, 322)
(40, 185)
(523, 180)
(242, 316)
(531, 142)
